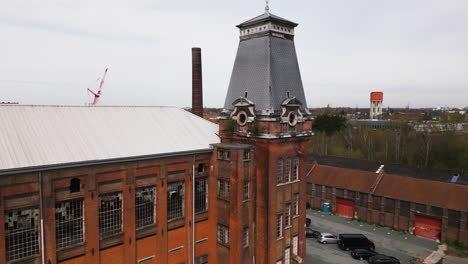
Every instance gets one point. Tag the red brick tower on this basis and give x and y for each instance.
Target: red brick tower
(260, 166)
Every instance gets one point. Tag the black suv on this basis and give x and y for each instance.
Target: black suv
(362, 253)
(377, 259)
(354, 241)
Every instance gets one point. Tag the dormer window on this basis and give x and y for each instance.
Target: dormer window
(242, 118)
(292, 118)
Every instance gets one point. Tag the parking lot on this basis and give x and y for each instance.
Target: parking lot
(407, 248)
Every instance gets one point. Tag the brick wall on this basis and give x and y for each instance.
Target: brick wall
(392, 212)
(153, 242)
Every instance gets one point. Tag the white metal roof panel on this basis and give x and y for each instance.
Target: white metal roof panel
(38, 135)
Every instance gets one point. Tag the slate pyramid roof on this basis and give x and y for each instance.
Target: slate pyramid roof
(266, 67)
(267, 16)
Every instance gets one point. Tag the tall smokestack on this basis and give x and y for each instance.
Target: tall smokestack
(197, 86)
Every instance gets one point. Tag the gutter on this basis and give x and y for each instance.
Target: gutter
(101, 162)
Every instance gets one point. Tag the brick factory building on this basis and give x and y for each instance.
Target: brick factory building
(425, 202)
(158, 184)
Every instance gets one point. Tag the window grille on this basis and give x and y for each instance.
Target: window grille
(145, 210)
(420, 208)
(21, 233)
(389, 205)
(339, 192)
(279, 171)
(175, 200)
(246, 190)
(405, 208)
(376, 202)
(110, 214)
(287, 215)
(279, 226)
(223, 234)
(454, 218)
(69, 223)
(296, 204)
(288, 170)
(329, 193)
(296, 169)
(318, 190)
(363, 199)
(245, 237)
(246, 155)
(437, 211)
(201, 195)
(224, 189)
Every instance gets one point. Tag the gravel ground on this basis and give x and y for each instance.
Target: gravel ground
(407, 248)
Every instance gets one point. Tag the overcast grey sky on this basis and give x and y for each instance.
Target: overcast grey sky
(415, 51)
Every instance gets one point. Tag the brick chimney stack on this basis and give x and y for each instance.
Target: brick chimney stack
(197, 86)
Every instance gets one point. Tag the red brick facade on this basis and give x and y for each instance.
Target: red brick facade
(163, 242)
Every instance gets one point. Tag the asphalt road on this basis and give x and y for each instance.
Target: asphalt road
(407, 248)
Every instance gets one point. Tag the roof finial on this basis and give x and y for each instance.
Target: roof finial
(267, 7)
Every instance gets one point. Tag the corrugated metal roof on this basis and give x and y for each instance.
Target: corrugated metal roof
(397, 169)
(441, 194)
(267, 68)
(437, 193)
(33, 136)
(343, 178)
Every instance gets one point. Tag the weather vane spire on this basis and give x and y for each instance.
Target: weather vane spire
(267, 7)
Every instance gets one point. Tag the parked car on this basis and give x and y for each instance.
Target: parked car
(308, 221)
(362, 253)
(378, 259)
(326, 238)
(312, 233)
(355, 241)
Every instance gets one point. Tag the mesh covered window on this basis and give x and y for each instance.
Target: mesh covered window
(309, 188)
(110, 214)
(279, 171)
(339, 192)
(69, 223)
(21, 233)
(363, 199)
(329, 193)
(376, 202)
(421, 208)
(437, 211)
(454, 218)
(175, 200)
(201, 195)
(389, 205)
(318, 190)
(145, 206)
(405, 208)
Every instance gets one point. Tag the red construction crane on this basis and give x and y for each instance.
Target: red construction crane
(98, 94)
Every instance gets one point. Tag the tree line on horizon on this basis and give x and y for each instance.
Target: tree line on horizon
(431, 148)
